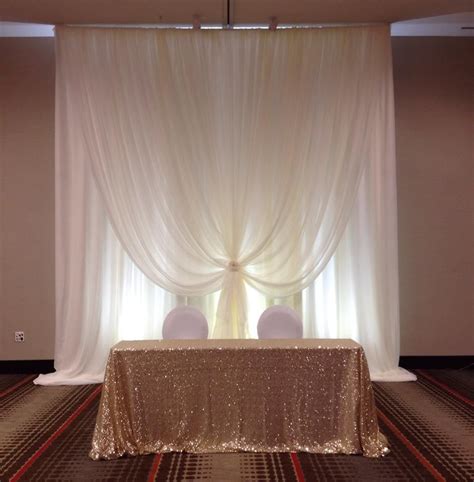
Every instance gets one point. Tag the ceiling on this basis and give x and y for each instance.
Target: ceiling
(224, 12)
(453, 25)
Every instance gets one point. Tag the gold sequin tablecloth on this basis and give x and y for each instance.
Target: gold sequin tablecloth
(230, 395)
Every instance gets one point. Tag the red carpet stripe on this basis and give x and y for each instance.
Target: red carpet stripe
(154, 468)
(19, 384)
(450, 390)
(297, 467)
(411, 447)
(56, 434)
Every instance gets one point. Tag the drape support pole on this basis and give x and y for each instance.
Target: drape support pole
(196, 22)
(229, 20)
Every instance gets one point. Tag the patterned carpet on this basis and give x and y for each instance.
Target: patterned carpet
(45, 435)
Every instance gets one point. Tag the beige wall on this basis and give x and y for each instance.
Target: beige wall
(27, 197)
(434, 119)
(434, 148)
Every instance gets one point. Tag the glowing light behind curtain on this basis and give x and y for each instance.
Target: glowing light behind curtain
(227, 157)
(284, 155)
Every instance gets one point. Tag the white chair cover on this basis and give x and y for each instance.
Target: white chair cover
(185, 323)
(279, 322)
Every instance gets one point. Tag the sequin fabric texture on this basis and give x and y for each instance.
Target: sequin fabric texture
(308, 395)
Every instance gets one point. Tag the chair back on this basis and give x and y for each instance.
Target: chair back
(279, 322)
(185, 323)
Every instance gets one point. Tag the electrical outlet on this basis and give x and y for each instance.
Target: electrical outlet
(19, 336)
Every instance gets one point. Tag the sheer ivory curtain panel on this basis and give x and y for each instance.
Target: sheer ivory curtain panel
(209, 166)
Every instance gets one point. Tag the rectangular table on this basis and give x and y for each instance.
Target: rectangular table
(307, 395)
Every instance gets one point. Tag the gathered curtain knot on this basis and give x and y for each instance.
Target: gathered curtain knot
(233, 266)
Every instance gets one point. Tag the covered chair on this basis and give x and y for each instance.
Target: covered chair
(279, 322)
(185, 323)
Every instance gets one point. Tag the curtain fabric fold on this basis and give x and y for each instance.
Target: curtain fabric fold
(216, 160)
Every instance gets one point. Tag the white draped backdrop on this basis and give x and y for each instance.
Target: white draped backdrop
(230, 171)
